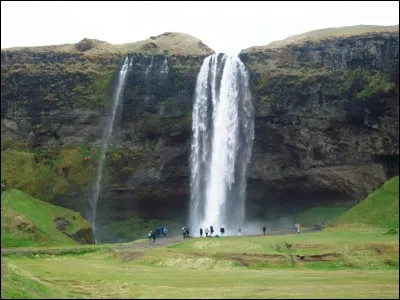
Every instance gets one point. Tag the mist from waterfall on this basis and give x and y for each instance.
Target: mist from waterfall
(106, 136)
(223, 133)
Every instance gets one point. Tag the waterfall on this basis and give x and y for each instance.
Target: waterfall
(149, 67)
(106, 136)
(164, 67)
(223, 133)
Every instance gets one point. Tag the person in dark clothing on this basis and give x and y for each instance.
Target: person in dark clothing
(264, 229)
(187, 231)
(201, 232)
(184, 232)
(211, 231)
(222, 230)
(158, 231)
(154, 236)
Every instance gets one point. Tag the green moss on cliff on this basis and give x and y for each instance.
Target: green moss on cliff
(48, 173)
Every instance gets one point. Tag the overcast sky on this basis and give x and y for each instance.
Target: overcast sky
(223, 26)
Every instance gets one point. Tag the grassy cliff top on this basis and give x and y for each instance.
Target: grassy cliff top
(167, 43)
(326, 34)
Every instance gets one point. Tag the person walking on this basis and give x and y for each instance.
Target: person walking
(264, 229)
(150, 236)
(206, 231)
(154, 236)
(201, 232)
(222, 231)
(211, 231)
(298, 228)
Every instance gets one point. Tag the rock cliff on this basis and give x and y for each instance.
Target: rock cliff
(326, 122)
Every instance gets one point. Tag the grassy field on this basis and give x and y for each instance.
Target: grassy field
(352, 259)
(27, 221)
(336, 263)
(380, 209)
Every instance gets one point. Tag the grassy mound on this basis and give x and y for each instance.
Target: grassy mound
(27, 221)
(326, 34)
(167, 43)
(380, 209)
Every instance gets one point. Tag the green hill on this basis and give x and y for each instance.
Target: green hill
(27, 221)
(380, 209)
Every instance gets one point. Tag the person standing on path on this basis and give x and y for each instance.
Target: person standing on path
(206, 231)
(222, 230)
(239, 231)
(211, 231)
(165, 231)
(201, 232)
(264, 229)
(150, 236)
(154, 236)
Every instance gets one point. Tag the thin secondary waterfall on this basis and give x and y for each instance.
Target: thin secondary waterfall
(149, 67)
(106, 136)
(223, 133)
(164, 67)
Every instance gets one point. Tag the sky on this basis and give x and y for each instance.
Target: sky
(223, 26)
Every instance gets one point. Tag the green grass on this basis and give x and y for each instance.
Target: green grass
(230, 267)
(27, 221)
(380, 209)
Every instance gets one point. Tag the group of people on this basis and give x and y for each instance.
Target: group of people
(185, 232)
(210, 231)
(157, 233)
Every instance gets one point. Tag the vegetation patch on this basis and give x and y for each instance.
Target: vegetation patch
(379, 209)
(27, 221)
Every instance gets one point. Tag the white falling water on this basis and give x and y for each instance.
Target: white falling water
(164, 67)
(149, 67)
(223, 133)
(106, 136)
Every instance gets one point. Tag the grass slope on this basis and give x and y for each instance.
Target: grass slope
(334, 263)
(380, 209)
(326, 34)
(27, 221)
(171, 43)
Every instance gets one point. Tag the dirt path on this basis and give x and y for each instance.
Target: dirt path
(161, 242)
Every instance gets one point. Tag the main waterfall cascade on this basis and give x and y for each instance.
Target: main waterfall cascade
(223, 133)
(106, 136)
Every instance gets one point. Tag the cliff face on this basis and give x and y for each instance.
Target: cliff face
(326, 123)
(327, 119)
